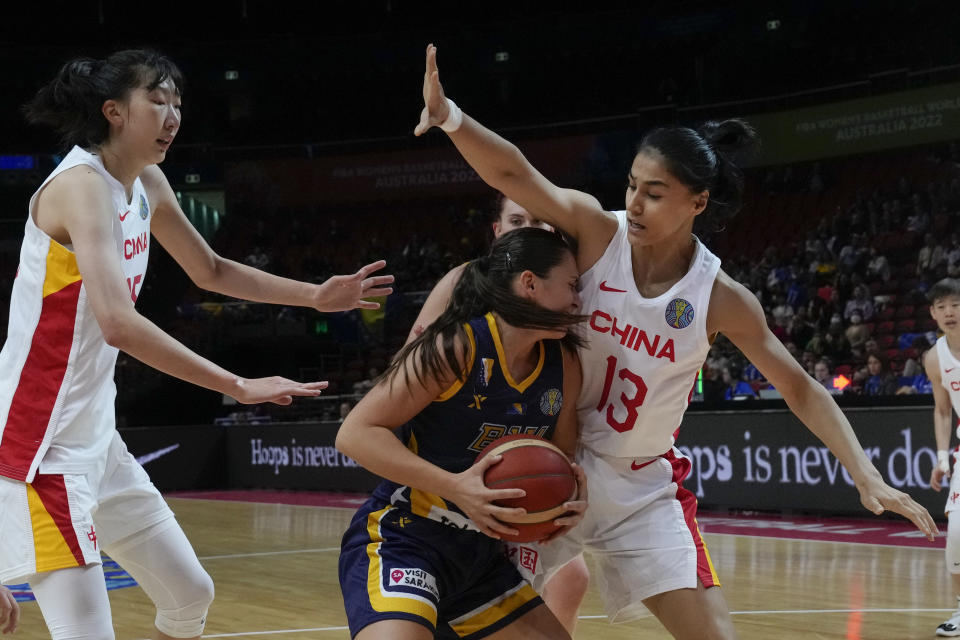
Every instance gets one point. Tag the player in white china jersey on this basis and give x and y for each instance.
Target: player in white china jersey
(942, 365)
(656, 296)
(68, 485)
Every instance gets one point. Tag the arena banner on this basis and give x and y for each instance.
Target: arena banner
(180, 457)
(886, 121)
(292, 456)
(367, 177)
(769, 460)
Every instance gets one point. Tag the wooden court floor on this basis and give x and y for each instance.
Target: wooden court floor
(275, 570)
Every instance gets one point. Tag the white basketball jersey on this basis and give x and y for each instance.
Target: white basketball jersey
(643, 355)
(949, 374)
(56, 370)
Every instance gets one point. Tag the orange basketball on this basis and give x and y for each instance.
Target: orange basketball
(542, 470)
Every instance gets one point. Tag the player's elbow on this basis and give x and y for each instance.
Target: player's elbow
(117, 327)
(345, 442)
(205, 274)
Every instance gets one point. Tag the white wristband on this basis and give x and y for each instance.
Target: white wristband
(943, 460)
(454, 118)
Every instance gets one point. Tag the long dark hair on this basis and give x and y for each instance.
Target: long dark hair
(707, 159)
(71, 103)
(486, 286)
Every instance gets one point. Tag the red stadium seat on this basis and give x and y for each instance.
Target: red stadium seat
(886, 341)
(887, 313)
(904, 311)
(885, 327)
(905, 326)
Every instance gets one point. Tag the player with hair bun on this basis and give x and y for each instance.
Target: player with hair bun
(656, 297)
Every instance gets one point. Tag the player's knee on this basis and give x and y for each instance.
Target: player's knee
(187, 618)
(953, 548)
(578, 575)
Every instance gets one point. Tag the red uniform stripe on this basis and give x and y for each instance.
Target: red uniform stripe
(40, 382)
(53, 494)
(688, 502)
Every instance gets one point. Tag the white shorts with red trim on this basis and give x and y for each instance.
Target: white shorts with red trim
(953, 496)
(640, 528)
(62, 521)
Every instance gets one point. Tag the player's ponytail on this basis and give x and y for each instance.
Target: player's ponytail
(708, 158)
(71, 103)
(485, 286)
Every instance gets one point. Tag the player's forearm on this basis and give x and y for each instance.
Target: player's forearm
(135, 335)
(496, 160)
(821, 415)
(941, 429)
(379, 451)
(238, 280)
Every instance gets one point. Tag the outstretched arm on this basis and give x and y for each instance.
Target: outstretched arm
(736, 313)
(78, 201)
(214, 273)
(501, 165)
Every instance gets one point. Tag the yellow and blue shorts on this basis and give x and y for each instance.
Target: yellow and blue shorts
(458, 583)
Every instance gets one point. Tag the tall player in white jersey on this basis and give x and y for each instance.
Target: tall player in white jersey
(942, 365)
(655, 295)
(68, 486)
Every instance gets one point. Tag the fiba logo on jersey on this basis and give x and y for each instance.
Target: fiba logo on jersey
(551, 401)
(679, 313)
(144, 209)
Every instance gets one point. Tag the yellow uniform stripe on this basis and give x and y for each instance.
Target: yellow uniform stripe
(493, 611)
(519, 386)
(50, 549)
(61, 269)
(706, 553)
(378, 599)
(471, 354)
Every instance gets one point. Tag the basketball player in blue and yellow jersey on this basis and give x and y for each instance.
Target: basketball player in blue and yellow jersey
(565, 590)
(422, 558)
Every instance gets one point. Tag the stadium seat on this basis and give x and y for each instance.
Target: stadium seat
(885, 327)
(905, 326)
(904, 311)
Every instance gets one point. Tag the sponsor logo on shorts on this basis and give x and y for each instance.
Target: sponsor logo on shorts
(416, 578)
(523, 557)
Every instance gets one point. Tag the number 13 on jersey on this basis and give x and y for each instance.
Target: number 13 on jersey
(629, 401)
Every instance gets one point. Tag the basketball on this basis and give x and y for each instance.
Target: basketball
(542, 470)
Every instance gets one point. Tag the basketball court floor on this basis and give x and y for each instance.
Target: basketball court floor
(275, 570)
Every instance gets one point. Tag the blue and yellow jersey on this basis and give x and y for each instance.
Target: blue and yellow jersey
(486, 405)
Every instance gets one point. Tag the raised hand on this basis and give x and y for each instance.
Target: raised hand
(435, 109)
(342, 293)
(275, 389)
